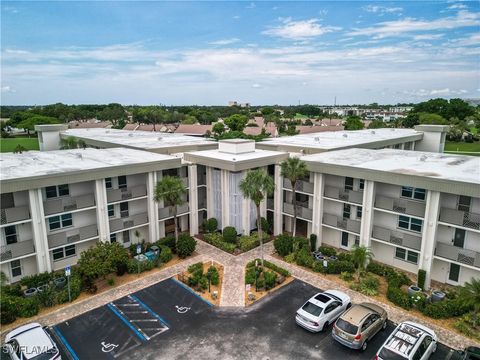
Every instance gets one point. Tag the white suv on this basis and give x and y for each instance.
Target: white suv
(31, 342)
(409, 341)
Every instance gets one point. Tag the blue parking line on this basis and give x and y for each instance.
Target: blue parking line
(193, 292)
(116, 312)
(150, 310)
(65, 342)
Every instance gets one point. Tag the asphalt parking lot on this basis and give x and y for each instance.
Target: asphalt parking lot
(168, 321)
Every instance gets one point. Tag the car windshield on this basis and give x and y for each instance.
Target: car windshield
(312, 308)
(347, 327)
(387, 354)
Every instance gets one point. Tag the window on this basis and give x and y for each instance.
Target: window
(111, 210)
(108, 183)
(63, 190)
(359, 212)
(361, 184)
(124, 209)
(58, 222)
(55, 191)
(51, 191)
(113, 238)
(409, 223)
(406, 255)
(464, 203)
(413, 193)
(348, 183)
(16, 268)
(346, 211)
(64, 252)
(126, 236)
(10, 234)
(122, 182)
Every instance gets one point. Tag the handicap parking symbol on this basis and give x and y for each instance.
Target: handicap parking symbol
(106, 348)
(182, 309)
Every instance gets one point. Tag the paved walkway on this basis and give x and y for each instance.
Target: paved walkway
(233, 290)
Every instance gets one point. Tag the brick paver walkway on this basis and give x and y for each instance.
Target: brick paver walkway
(233, 290)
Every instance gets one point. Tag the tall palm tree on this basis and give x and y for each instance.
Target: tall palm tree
(361, 255)
(256, 186)
(171, 190)
(470, 295)
(294, 169)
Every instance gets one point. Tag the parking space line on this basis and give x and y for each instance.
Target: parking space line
(133, 297)
(116, 312)
(65, 342)
(191, 291)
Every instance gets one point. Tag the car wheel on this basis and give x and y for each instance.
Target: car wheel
(384, 324)
(349, 305)
(364, 345)
(325, 326)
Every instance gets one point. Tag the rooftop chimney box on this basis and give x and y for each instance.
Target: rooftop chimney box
(236, 146)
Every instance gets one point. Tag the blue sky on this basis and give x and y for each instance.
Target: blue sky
(261, 52)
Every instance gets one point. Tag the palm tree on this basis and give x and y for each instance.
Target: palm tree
(19, 149)
(470, 296)
(361, 255)
(171, 190)
(294, 169)
(256, 186)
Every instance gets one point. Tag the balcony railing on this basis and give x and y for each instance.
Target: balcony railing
(167, 212)
(460, 218)
(10, 215)
(344, 195)
(397, 237)
(13, 251)
(402, 206)
(464, 256)
(69, 203)
(270, 204)
(302, 210)
(127, 193)
(128, 222)
(301, 185)
(341, 223)
(71, 236)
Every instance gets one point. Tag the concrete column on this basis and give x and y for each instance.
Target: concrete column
(103, 223)
(39, 230)
(429, 232)
(317, 211)
(367, 213)
(152, 207)
(278, 202)
(225, 185)
(193, 198)
(402, 146)
(159, 205)
(209, 182)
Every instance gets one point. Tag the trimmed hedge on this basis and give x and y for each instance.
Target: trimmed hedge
(216, 240)
(270, 266)
(230, 234)
(214, 276)
(165, 254)
(283, 244)
(168, 241)
(210, 225)
(422, 274)
(186, 245)
(327, 251)
(249, 242)
(304, 258)
(313, 242)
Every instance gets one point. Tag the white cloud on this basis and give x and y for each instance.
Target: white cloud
(251, 6)
(428, 37)
(256, 86)
(224, 41)
(236, 17)
(436, 92)
(10, 9)
(7, 89)
(299, 30)
(473, 39)
(382, 9)
(409, 25)
(457, 6)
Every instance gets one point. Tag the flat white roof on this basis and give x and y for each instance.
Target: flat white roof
(47, 163)
(330, 140)
(225, 156)
(137, 139)
(416, 163)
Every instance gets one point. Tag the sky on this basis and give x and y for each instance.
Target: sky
(261, 52)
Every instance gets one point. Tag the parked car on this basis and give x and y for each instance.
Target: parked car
(356, 326)
(322, 309)
(469, 353)
(31, 342)
(410, 341)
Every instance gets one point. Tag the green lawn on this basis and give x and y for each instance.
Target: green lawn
(300, 116)
(474, 130)
(463, 146)
(8, 145)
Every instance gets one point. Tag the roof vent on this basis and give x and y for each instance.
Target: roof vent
(373, 131)
(345, 135)
(233, 159)
(78, 155)
(107, 131)
(159, 138)
(423, 157)
(131, 135)
(317, 139)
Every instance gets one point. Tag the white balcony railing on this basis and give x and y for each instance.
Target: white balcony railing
(13, 251)
(460, 218)
(128, 222)
(402, 206)
(302, 210)
(69, 203)
(344, 195)
(167, 212)
(464, 256)
(301, 185)
(397, 237)
(341, 223)
(127, 193)
(70, 236)
(11, 215)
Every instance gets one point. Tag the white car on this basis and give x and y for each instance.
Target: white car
(322, 309)
(409, 341)
(31, 342)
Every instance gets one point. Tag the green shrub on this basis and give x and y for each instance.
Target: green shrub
(283, 244)
(466, 326)
(369, 286)
(399, 298)
(216, 240)
(34, 281)
(134, 266)
(210, 225)
(47, 297)
(28, 307)
(203, 283)
(318, 267)
(313, 242)
(248, 242)
(260, 282)
(270, 266)
(300, 242)
(111, 281)
(337, 267)
(11, 290)
(422, 274)
(265, 225)
(344, 256)
(327, 251)
(196, 268)
(185, 245)
(290, 258)
(376, 268)
(396, 279)
(75, 289)
(346, 276)
(8, 309)
(304, 258)
(250, 275)
(165, 254)
(194, 279)
(214, 276)
(230, 234)
(168, 241)
(446, 309)
(270, 279)
(133, 248)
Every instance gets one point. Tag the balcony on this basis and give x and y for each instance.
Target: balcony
(302, 210)
(11, 215)
(301, 185)
(71, 236)
(344, 195)
(397, 237)
(167, 212)
(69, 203)
(132, 192)
(270, 204)
(128, 222)
(464, 256)
(402, 206)
(201, 179)
(460, 218)
(185, 181)
(341, 223)
(13, 251)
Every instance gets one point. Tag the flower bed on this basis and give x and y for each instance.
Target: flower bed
(237, 244)
(197, 277)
